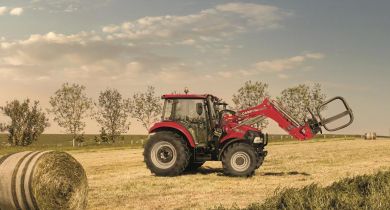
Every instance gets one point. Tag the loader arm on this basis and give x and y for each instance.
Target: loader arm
(269, 109)
(299, 130)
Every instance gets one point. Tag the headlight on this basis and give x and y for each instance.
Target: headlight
(250, 135)
(257, 140)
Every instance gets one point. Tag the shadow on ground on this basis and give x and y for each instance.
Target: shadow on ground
(290, 173)
(219, 171)
(206, 170)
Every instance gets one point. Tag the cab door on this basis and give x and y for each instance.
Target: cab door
(191, 113)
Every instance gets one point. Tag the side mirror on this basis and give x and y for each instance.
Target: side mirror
(199, 108)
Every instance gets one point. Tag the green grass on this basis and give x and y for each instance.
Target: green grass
(66, 140)
(359, 192)
(63, 142)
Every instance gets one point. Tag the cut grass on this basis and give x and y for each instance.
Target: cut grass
(359, 192)
(118, 178)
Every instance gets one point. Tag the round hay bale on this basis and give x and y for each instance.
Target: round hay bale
(370, 136)
(42, 180)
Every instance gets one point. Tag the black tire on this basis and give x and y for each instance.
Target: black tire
(261, 157)
(239, 159)
(193, 166)
(166, 154)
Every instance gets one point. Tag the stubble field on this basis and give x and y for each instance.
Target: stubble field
(118, 178)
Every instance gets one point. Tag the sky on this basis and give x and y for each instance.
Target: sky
(209, 46)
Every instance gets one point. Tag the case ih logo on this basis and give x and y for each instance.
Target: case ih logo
(248, 112)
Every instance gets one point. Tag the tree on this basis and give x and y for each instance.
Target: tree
(249, 95)
(298, 99)
(113, 113)
(70, 105)
(103, 137)
(146, 107)
(27, 122)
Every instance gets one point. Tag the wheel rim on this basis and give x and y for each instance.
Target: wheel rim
(240, 161)
(163, 155)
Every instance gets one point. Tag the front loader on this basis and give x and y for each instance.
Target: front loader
(198, 128)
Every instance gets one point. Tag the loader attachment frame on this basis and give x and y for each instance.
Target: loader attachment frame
(325, 121)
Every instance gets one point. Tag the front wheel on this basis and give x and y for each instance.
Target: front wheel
(166, 154)
(239, 159)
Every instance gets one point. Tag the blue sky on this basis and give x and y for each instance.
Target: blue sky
(209, 46)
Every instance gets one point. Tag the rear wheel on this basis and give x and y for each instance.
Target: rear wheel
(166, 154)
(239, 159)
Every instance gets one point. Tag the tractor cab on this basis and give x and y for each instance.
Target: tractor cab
(197, 113)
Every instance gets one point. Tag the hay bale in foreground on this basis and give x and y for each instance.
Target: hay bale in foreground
(42, 180)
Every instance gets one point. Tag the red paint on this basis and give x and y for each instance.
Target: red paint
(236, 133)
(269, 109)
(176, 126)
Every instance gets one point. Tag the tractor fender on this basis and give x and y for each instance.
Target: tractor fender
(228, 143)
(176, 127)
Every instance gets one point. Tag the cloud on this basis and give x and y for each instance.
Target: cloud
(214, 24)
(128, 51)
(16, 11)
(67, 5)
(110, 28)
(189, 42)
(280, 65)
(3, 10)
(258, 15)
(85, 56)
(315, 55)
(225, 74)
(51, 53)
(283, 76)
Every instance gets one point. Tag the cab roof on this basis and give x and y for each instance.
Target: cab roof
(186, 96)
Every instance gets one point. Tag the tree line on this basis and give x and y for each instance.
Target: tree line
(70, 106)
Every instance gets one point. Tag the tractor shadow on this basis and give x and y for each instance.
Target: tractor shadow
(290, 173)
(205, 170)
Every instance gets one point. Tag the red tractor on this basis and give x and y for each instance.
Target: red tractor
(198, 128)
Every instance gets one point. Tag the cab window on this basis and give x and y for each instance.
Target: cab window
(182, 110)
